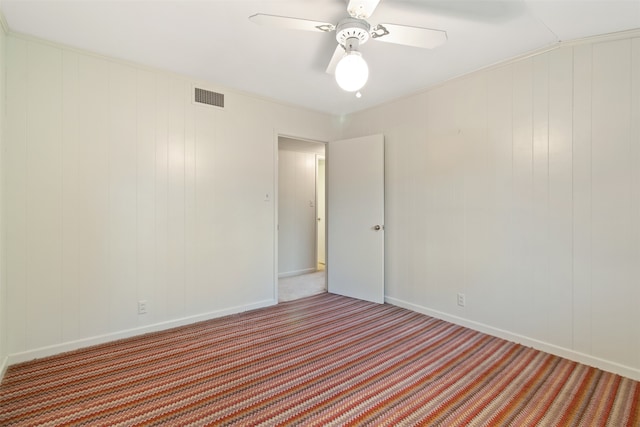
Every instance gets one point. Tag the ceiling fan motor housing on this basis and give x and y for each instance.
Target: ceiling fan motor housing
(350, 28)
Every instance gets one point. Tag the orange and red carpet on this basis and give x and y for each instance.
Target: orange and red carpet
(320, 361)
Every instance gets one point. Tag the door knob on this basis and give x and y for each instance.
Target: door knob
(377, 227)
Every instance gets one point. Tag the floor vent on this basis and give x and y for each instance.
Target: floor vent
(207, 97)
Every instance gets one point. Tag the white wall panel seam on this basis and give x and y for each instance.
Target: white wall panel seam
(591, 312)
(581, 227)
(27, 171)
(184, 201)
(635, 63)
(109, 203)
(62, 228)
(547, 223)
(635, 142)
(154, 276)
(573, 201)
(137, 192)
(547, 208)
(167, 143)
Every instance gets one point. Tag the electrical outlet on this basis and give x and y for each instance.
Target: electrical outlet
(461, 300)
(142, 307)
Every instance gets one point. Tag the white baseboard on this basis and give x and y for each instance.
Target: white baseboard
(101, 339)
(576, 356)
(296, 272)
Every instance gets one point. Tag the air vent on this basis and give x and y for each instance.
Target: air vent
(207, 97)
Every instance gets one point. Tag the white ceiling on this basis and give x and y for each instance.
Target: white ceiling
(213, 40)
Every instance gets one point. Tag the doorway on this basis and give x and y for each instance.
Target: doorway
(301, 219)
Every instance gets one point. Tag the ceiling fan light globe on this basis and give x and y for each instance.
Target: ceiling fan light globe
(352, 72)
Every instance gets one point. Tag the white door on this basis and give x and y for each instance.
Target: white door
(355, 204)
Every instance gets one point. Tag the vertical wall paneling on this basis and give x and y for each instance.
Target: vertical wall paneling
(93, 165)
(70, 197)
(190, 192)
(435, 247)
(499, 289)
(296, 212)
(540, 238)
(415, 223)
(286, 198)
(206, 241)
(415, 202)
(559, 270)
(445, 274)
(117, 188)
(15, 193)
(559, 297)
(581, 230)
(44, 195)
(122, 196)
(176, 198)
(471, 124)
(611, 196)
(3, 281)
(635, 184)
(226, 208)
(146, 278)
(305, 208)
(415, 157)
(522, 231)
(258, 157)
(300, 184)
(161, 301)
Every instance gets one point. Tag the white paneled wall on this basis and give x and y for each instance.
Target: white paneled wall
(3, 288)
(519, 186)
(296, 212)
(117, 188)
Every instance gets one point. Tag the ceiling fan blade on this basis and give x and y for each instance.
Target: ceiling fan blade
(362, 9)
(337, 56)
(425, 38)
(291, 23)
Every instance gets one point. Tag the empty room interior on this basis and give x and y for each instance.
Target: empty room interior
(321, 213)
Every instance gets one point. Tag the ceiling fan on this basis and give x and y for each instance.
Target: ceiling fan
(350, 69)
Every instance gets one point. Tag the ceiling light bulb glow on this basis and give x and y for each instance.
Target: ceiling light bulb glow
(352, 72)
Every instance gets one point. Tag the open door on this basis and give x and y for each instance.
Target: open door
(355, 219)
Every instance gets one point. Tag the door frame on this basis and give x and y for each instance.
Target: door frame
(276, 201)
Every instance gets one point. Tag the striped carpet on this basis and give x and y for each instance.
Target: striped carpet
(323, 360)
